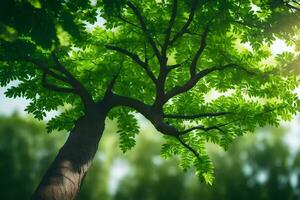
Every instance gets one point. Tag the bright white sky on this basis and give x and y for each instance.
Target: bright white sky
(8, 106)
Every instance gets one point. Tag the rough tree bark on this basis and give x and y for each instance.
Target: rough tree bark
(63, 179)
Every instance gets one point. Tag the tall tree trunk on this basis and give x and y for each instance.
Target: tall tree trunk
(63, 179)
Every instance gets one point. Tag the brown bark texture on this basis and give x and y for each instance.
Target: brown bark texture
(63, 179)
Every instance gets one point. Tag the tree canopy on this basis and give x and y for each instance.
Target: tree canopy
(199, 71)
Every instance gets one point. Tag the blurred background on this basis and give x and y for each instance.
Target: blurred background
(263, 165)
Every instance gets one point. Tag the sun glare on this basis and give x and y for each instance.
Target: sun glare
(279, 46)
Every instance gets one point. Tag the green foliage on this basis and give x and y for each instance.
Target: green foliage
(113, 7)
(203, 165)
(245, 83)
(127, 129)
(40, 19)
(238, 172)
(64, 121)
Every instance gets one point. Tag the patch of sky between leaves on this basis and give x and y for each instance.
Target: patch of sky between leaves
(9, 106)
(99, 23)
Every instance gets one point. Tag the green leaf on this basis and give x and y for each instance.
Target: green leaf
(64, 121)
(127, 129)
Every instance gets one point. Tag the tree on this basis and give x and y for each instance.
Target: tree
(162, 59)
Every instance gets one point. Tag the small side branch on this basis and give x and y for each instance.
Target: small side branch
(52, 87)
(219, 126)
(187, 23)
(209, 128)
(195, 79)
(128, 22)
(207, 71)
(171, 67)
(296, 8)
(76, 84)
(144, 29)
(203, 128)
(246, 24)
(200, 115)
(63, 75)
(296, 2)
(47, 70)
(135, 58)
(168, 31)
(73, 81)
(199, 51)
(188, 147)
(112, 83)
